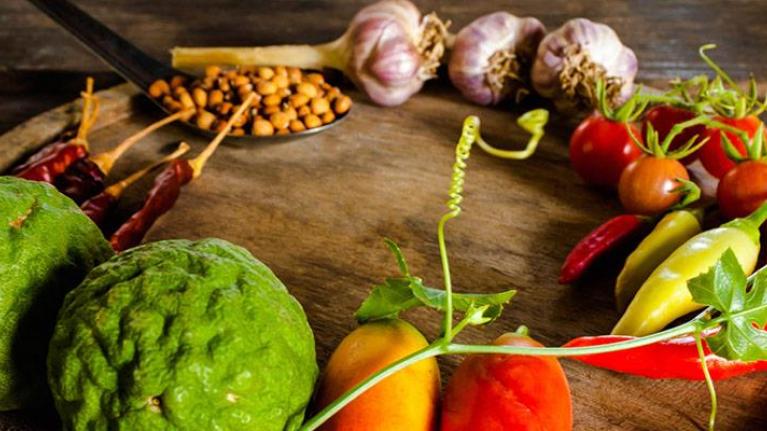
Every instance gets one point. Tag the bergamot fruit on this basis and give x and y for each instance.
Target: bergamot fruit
(181, 335)
(47, 246)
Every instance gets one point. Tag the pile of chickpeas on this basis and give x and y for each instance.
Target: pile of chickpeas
(287, 99)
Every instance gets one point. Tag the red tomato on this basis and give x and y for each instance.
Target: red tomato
(712, 154)
(743, 189)
(600, 149)
(646, 186)
(663, 118)
(508, 392)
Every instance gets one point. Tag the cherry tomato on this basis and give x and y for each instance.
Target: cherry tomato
(508, 392)
(712, 154)
(743, 189)
(663, 118)
(646, 186)
(600, 149)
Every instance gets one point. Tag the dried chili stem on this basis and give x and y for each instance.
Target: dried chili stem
(106, 160)
(117, 188)
(199, 162)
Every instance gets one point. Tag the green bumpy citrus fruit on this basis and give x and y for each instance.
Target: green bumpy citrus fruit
(182, 335)
(47, 246)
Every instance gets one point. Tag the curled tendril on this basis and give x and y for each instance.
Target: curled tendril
(533, 122)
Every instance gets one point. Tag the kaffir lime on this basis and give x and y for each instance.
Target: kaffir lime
(181, 335)
(47, 245)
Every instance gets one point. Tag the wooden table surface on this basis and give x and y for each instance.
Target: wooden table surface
(319, 207)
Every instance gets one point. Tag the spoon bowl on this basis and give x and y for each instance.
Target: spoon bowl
(138, 67)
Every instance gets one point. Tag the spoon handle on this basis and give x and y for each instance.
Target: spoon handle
(130, 62)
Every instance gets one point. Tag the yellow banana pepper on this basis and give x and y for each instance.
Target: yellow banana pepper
(669, 234)
(664, 297)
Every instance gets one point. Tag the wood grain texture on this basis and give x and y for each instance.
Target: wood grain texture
(315, 210)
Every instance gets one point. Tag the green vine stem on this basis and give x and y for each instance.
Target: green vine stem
(709, 380)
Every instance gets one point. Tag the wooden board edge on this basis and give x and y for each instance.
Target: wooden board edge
(115, 105)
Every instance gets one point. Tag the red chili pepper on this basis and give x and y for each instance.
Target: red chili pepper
(86, 177)
(167, 187)
(53, 160)
(599, 241)
(673, 359)
(55, 163)
(100, 206)
(159, 200)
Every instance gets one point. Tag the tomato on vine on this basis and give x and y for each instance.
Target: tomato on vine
(658, 180)
(736, 117)
(603, 144)
(664, 117)
(744, 187)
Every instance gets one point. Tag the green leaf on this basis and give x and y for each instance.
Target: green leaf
(723, 286)
(743, 313)
(399, 294)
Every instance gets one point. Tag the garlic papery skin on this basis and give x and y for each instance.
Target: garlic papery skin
(574, 57)
(388, 51)
(491, 57)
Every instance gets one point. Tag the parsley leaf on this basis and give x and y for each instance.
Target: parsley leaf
(743, 312)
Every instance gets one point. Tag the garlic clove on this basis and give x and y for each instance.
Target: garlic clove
(574, 57)
(491, 57)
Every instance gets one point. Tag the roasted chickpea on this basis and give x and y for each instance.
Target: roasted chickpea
(294, 75)
(159, 88)
(223, 85)
(240, 80)
(281, 81)
(186, 100)
(177, 81)
(271, 100)
(269, 110)
(328, 117)
(262, 128)
(283, 132)
(297, 126)
(312, 121)
(279, 120)
(307, 89)
(225, 108)
(281, 70)
(200, 97)
(265, 73)
(205, 119)
(212, 71)
(320, 106)
(316, 79)
(342, 104)
(298, 100)
(266, 88)
(215, 98)
(303, 111)
(292, 113)
(238, 131)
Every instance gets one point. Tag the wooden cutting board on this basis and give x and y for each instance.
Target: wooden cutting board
(316, 210)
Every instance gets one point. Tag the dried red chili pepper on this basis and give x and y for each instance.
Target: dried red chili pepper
(54, 159)
(100, 206)
(86, 177)
(673, 359)
(604, 238)
(167, 187)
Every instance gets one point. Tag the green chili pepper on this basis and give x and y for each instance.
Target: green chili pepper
(664, 297)
(670, 233)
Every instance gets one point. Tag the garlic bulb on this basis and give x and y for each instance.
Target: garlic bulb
(492, 56)
(573, 58)
(388, 51)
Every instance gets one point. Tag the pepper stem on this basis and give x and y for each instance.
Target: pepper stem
(199, 162)
(106, 160)
(759, 216)
(89, 115)
(118, 188)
